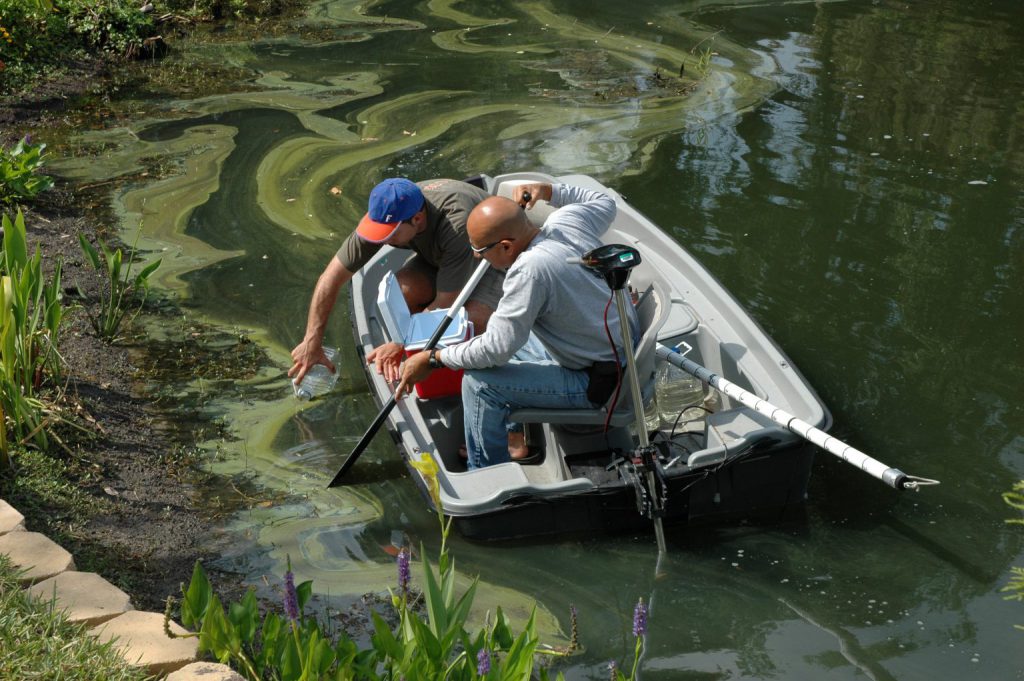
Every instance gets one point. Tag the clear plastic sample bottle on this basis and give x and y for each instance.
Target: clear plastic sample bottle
(318, 380)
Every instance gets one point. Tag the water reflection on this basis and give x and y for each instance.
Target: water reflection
(821, 168)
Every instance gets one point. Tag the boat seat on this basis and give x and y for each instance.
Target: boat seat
(652, 312)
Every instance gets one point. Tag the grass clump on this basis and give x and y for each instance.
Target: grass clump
(39, 643)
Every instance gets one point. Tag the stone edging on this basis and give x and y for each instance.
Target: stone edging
(85, 597)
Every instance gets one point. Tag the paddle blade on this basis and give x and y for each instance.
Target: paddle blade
(363, 443)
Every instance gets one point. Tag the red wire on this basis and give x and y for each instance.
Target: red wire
(618, 365)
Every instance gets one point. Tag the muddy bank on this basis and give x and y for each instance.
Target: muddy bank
(122, 492)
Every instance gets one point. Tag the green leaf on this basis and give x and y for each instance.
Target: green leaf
(458, 615)
(196, 599)
(384, 640)
(289, 663)
(270, 642)
(89, 251)
(501, 634)
(303, 593)
(518, 661)
(143, 277)
(214, 636)
(434, 598)
(244, 616)
(321, 657)
(15, 243)
(428, 642)
(114, 264)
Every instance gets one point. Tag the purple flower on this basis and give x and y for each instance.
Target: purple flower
(640, 618)
(613, 669)
(483, 662)
(28, 140)
(291, 598)
(403, 571)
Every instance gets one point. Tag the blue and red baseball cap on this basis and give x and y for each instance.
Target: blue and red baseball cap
(392, 202)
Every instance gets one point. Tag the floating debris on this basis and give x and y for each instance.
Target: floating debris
(977, 182)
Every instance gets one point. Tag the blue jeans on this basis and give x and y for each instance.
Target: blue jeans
(530, 379)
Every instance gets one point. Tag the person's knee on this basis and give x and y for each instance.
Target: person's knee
(417, 288)
(479, 314)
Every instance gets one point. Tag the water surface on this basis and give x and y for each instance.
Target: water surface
(851, 171)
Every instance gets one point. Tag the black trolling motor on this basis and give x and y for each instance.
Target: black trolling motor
(614, 262)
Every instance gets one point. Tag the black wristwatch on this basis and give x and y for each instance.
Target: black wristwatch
(435, 360)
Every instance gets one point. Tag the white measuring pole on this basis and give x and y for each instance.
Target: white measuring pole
(893, 477)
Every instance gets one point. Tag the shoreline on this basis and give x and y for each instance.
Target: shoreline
(123, 490)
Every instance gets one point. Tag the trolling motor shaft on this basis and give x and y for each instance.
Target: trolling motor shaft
(614, 262)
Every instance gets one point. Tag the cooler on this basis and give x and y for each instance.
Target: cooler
(415, 330)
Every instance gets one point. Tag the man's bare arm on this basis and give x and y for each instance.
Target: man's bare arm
(310, 351)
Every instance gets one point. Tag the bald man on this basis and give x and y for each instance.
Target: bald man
(563, 304)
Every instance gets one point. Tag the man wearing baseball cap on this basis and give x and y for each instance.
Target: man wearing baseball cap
(427, 218)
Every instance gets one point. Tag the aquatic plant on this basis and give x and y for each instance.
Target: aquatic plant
(703, 65)
(291, 596)
(427, 638)
(31, 313)
(441, 647)
(123, 291)
(429, 470)
(20, 179)
(434, 646)
(640, 614)
(403, 572)
(295, 648)
(292, 648)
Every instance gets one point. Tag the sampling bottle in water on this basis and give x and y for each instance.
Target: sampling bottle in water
(318, 380)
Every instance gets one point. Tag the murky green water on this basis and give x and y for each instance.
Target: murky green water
(851, 171)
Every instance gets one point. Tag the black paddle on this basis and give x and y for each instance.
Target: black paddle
(438, 332)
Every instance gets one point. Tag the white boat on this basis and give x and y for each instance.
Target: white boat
(715, 458)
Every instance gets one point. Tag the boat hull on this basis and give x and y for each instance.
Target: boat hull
(765, 488)
(737, 465)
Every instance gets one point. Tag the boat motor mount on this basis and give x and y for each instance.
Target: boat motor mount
(614, 262)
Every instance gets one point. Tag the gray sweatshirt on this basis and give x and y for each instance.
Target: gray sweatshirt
(562, 303)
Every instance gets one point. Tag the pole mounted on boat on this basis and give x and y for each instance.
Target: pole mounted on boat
(893, 477)
(467, 290)
(614, 263)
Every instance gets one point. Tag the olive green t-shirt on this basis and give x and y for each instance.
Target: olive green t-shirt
(443, 244)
